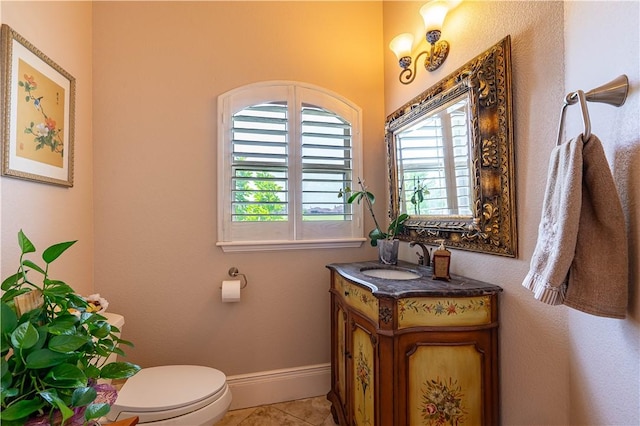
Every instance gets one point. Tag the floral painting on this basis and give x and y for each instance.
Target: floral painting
(363, 378)
(40, 114)
(443, 307)
(442, 403)
(37, 130)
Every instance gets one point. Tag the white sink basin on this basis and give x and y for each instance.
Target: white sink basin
(390, 274)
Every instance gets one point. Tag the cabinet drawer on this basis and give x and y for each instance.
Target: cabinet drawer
(358, 298)
(446, 311)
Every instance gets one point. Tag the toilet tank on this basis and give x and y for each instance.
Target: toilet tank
(115, 320)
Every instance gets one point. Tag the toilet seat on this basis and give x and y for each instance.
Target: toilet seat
(161, 393)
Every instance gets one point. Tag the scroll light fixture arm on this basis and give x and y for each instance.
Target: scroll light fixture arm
(435, 56)
(613, 93)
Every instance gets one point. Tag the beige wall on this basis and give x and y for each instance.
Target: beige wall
(50, 214)
(158, 69)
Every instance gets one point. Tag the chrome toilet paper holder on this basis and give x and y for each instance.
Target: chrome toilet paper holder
(233, 272)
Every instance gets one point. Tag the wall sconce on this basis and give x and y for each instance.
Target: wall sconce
(433, 14)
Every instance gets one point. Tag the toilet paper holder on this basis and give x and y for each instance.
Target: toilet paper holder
(233, 272)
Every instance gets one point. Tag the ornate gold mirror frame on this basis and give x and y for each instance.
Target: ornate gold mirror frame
(491, 227)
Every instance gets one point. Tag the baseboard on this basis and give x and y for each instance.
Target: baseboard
(270, 387)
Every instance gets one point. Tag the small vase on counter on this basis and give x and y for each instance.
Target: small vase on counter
(388, 251)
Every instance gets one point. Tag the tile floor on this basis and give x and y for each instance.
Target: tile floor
(304, 412)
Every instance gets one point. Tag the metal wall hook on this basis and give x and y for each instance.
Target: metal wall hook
(613, 93)
(233, 272)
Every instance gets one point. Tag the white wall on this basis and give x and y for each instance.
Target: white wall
(602, 41)
(51, 214)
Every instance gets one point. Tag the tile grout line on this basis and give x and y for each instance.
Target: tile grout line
(293, 415)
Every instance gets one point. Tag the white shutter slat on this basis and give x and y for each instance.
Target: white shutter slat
(259, 159)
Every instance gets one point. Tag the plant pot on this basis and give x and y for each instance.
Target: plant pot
(388, 251)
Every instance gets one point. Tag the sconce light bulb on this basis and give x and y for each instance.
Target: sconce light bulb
(433, 14)
(402, 45)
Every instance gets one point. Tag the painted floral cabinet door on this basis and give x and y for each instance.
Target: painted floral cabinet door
(448, 370)
(444, 385)
(363, 376)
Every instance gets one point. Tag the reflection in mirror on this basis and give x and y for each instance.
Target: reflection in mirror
(433, 163)
(451, 160)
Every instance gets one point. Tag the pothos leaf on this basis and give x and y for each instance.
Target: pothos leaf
(95, 411)
(83, 396)
(21, 409)
(44, 358)
(24, 336)
(52, 253)
(32, 265)
(66, 343)
(119, 370)
(52, 398)
(8, 318)
(25, 244)
(11, 281)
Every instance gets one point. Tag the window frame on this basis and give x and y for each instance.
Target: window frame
(296, 233)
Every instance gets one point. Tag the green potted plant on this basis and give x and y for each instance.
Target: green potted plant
(386, 241)
(53, 348)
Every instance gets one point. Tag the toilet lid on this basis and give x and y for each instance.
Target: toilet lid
(168, 387)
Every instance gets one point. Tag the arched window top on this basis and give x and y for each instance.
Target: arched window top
(285, 151)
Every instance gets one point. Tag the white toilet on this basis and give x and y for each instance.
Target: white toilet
(172, 394)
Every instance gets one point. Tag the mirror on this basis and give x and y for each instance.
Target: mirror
(451, 159)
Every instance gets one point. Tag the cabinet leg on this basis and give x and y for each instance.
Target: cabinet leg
(334, 414)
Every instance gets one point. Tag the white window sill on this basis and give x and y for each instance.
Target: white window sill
(236, 246)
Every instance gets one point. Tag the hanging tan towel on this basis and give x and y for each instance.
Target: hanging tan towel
(558, 229)
(599, 274)
(581, 256)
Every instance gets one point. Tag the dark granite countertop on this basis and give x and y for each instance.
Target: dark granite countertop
(424, 286)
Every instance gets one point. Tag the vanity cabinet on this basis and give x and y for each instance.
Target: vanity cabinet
(412, 352)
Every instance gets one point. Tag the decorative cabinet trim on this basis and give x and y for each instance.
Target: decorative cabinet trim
(358, 298)
(450, 311)
(386, 314)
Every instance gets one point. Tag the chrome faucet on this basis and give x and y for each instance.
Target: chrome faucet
(425, 257)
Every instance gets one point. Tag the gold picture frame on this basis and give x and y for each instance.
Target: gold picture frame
(38, 112)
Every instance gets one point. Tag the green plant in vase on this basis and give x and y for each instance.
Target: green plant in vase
(419, 192)
(396, 226)
(53, 348)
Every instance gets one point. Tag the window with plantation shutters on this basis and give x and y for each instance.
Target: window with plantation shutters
(285, 151)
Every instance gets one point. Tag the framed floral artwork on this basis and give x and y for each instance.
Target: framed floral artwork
(38, 107)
